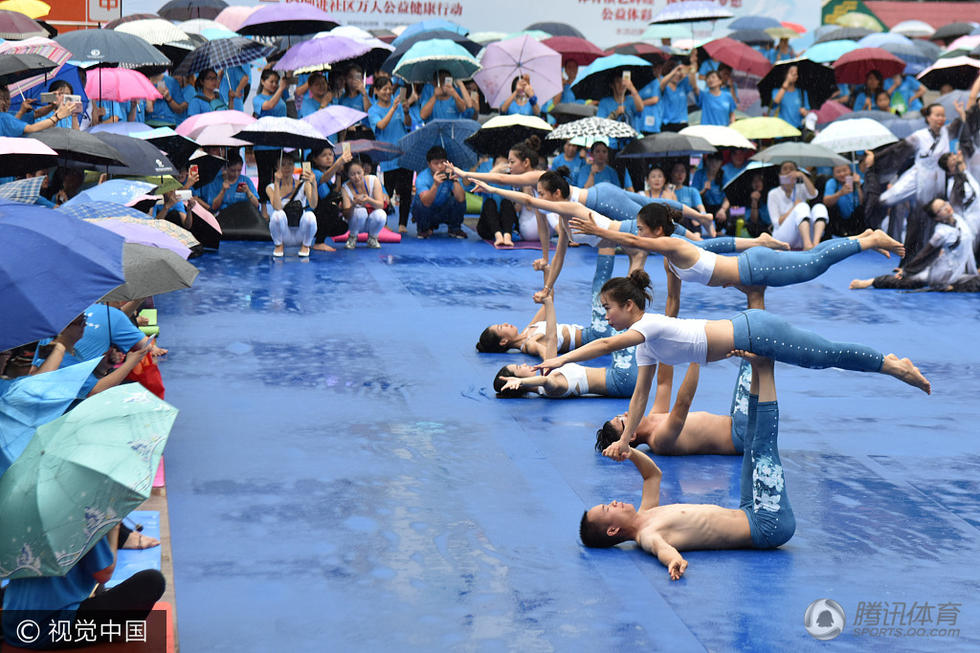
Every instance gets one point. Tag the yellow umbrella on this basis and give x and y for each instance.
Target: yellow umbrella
(755, 128)
(856, 19)
(30, 8)
(781, 33)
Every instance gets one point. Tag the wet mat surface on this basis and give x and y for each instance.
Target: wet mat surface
(341, 476)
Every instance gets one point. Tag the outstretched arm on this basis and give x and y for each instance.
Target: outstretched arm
(551, 328)
(564, 208)
(595, 349)
(666, 433)
(665, 384)
(638, 407)
(661, 245)
(528, 178)
(557, 261)
(668, 556)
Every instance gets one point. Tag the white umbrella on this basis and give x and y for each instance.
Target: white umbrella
(155, 31)
(913, 29)
(854, 134)
(596, 127)
(719, 136)
(198, 25)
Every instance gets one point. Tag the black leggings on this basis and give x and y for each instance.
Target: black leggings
(493, 219)
(400, 180)
(266, 161)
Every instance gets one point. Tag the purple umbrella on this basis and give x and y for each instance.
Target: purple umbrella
(505, 60)
(287, 19)
(144, 235)
(334, 119)
(317, 54)
(121, 128)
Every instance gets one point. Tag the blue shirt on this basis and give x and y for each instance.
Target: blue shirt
(323, 186)
(714, 195)
(230, 81)
(729, 171)
(310, 105)
(688, 196)
(573, 165)
(568, 96)
(391, 133)
(200, 104)
(424, 181)
(515, 109)
(117, 109)
(608, 105)
(232, 196)
(846, 203)
(909, 87)
(716, 109)
(673, 102)
(607, 174)
(11, 126)
(354, 102)
(162, 113)
(649, 120)
(789, 108)
(140, 114)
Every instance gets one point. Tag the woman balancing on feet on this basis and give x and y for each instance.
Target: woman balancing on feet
(674, 341)
(759, 266)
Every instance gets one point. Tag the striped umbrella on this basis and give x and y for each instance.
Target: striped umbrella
(25, 191)
(36, 45)
(223, 53)
(112, 212)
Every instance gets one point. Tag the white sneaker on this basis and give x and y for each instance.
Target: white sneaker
(373, 243)
(351, 241)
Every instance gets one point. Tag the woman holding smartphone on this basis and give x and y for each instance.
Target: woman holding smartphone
(390, 118)
(231, 187)
(60, 88)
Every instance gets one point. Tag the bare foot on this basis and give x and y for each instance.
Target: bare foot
(498, 242)
(903, 370)
(508, 241)
(885, 244)
(137, 540)
(861, 284)
(753, 359)
(766, 240)
(323, 247)
(402, 229)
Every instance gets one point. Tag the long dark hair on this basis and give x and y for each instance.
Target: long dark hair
(632, 288)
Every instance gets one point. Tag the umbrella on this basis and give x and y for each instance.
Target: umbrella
(842, 34)
(286, 19)
(220, 136)
(737, 55)
(232, 17)
(594, 127)
(193, 125)
(854, 135)
(753, 23)
(424, 59)
(594, 80)
(568, 111)
(424, 26)
(506, 60)
(575, 49)
(111, 47)
(208, 166)
(739, 189)
(486, 38)
(375, 150)
(223, 53)
(113, 24)
(751, 37)
(78, 146)
(140, 234)
(177, 148)
(40, 46)
(805, 155)
(319, 53)
(334, 119)
(52, 268)
(963, 43)
(20, 155)
(913, 29)
(829, 51)
(467, 44)
(25, 191)
(915, 59)
(695, 11)
(667, 144)
(765, 127)
(782, 32)
(16, 26)
(650, 53)
(853, 67)
(116, 213)
(283, 132)
(694, 117)
(78, 477)
(140, 158)
(120, 85)
(114, 191)
(125, 128)
(151, 271)
(500, 133)
(900, 127)
(30, 8)
(187, 9)
(952, 31)
(958, 72)
(449, 134)
(155, 31)
(201, 25)
(555, 29)
(16, 67)
(664, 31)
(718, 136)
(816, 79)
(32, 401)
(860, 20)
(831, 110)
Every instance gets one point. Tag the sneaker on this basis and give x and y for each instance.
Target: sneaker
(351, 241)
(425, 233)
(457, 233)
(372, 242)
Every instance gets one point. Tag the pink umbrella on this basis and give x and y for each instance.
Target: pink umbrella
(831, 110)
(854, 66)
(144, 235)
(233, 17)
(505, 60)
(193, 125)
(335, 118)
(35, 45)
(206, 215)
(120, 85)
(219, 135)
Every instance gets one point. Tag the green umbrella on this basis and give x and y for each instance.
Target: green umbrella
(78, 477)
(805, 155)
(151, 271)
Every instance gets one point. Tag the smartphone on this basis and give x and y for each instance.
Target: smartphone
(242, 187)
(306, 165)
(49, 98)
(447, 81)
(475, 96)
(627, 75)
(183, 195)
(345, 147)
(71, 99)
(193, 170)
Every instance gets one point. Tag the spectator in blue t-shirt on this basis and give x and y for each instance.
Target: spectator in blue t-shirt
(444, 100)
(522, 100)
(12, 126)
(781, 52)
(623, 103)
(171, 109)
(789, 102)
(689, 196)
(438, 198)
(600, 171)
(842, 195)
(318, 96)
(864, 96)
(234, 83)
(717, 104)
(391, 118)
(206, 97)
(650, 119)
(569, 158)
(675, 85)
(757, 219)
(230, 187)
(910, 88)
(355, 93)
(268, 102)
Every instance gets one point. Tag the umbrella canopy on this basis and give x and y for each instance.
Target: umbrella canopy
(220, 136)
(829, 51)
(375, 150)
(200, 25)
(151, 271)
(594, 80)
(842, 34)
(15, 26)
(424, 26)
(155, 31)
(30, 8)
(500, 133)
(283, 132)
(739, 189)
(719, 136)
(854, 135)
(232, 17)
(193, 125)
(506, 60)
(737, 55)
(860, 20)
(426, 58)
(44, 47)
(223, 53)
(177, 148)
(78, 477)
(52, 268)
(657, 32)
(753, 22)
(805, 155)
(782, 32)
(392, 60)
(140, 158)
(22, 155)
(556, 29)
(751, 37)
(486, 38)
(32, 401)
(24, 191)
(111, 47)
(765, 127)
(188, 9)
(119, 85)
(695, 11)
(915, 59)
(963, 43)
(831, 110)
(285, 19)
(319, 53)
(958, 72)
(81, 147)
(334, 119)
(665, 145)
(593, 128)
(650, 53)
(114, 191)
(913, 29)
(565, 112)
(117, 213)
(140, 234)
(816, 79)
(952, 31)
(112, 24)
(449, 134)
(16, 67)
(853, 67)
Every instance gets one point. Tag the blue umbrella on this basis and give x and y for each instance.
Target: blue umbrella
(68, 73)
(119, 191)
(89, 210)
(753, 22)
(25, 191)
(593, 81)
(53, 267)
(448, 134)
(424, 59)
(121, 128)
(693, 11)
(32, 401)
(829, 51)
(429, 26)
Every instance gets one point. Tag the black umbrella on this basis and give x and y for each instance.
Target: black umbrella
(15, 67)
(140, 158)
(815, 78)
(844, 34)
(644, 51)
(111, 47)
(952, 31)
(570, 111)
(177, 148)
(188, 9)
(928, 49)
(556, 29)
(74, 145)
(470, 46)
(208, 167)
(222, 53)
(752, 37)
(604, 70)
(958, 72)
(499, 134)
(113, 24)
(739, 190)
(666, 144)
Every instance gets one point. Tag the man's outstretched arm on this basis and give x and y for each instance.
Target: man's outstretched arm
(666, 434)
(668, 556)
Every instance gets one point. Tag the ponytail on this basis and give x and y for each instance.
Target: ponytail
(632, 288)
(555, 182)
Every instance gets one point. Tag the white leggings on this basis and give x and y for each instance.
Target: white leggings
(283, 234)
(789, 230)
(360, 221)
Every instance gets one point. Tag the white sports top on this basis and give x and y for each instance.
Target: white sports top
(575, 375)
(539, 329)
(670, 340)
(702, 269)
